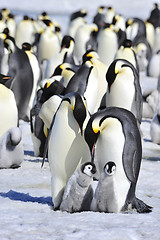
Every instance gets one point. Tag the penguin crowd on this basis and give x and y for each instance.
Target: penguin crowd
(81, 94)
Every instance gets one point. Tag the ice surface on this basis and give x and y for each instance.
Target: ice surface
(25, 196)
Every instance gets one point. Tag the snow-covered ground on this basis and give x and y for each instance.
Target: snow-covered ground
(25, 195)
(26, 207)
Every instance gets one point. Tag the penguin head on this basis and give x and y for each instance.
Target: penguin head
(61, 68)
(89, 169)
(66, 41)
(81, 13)
(118, 66)
(26, 46)
(110, 168)
(50, 89)
(78, 106)
(90, 54)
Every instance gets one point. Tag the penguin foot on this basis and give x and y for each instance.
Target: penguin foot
(140, 206)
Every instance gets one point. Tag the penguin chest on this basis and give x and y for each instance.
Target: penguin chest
(67, 147)
(109, 147)
(122, 92)
(110, 144)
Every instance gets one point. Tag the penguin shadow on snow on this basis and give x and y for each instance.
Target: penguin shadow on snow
(25, 197)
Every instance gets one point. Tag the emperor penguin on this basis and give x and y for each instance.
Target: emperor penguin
(36, 73)
(65, 55)
(127, 52)
(78, 193)
(112, 134)
(49, 43)
(11, 24)
(66, 70)
(99, 18)
(153, 67)
(77, 19)
(150, 33)
(109, 14)
(24, 31)
(67, 147)
(8, 107)
(85, 82)
(124, 89)
(101, 69)
(107, 41)
(82, 37)
(45, 104)
(135, 29)
(11, 148)
(104, 198)
(22, 84)
(154, 17)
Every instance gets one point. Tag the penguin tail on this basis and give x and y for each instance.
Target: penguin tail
(140, 206)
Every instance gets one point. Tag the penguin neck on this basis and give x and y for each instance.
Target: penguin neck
(83, 180)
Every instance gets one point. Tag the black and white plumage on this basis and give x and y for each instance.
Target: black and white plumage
(11, 148)
(124, 88)
(78, 193)
(112, 134)
(67, 147)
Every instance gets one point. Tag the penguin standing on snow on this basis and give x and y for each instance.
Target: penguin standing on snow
(21, 71)
(11, 148)
(112, 134)
(67, 147)
(78, 193)
(124, 88)
(104, 197)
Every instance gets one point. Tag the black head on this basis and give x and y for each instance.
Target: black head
(66, 41)
(88, 168)
(110, 168)
(4, 79)
(127, 43)
(26, 46)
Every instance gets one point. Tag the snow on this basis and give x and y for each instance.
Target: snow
(25, 195)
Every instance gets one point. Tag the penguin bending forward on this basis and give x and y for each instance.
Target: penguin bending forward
(112, 134)
(78, 192)
(67, 147)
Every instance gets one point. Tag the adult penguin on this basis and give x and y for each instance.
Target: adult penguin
(22, 84)
(124, 88)
(101, 69)
(11, 148)
(112, 134)
(135, 29)
(36, 73)
(153, 67)
(39, 128)
(99, 18)
(65, 70)
(107, 41)
(67, 147)
(65, 55)
(127, 52)
(8, 107)
(79, 192)
(77, 19)
(154, 17)
(83, 40)
(24, 31)
(49, 43)
(85, 82)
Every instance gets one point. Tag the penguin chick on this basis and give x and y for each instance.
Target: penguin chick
(11, 148)
(78, 192)
(104, 198)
